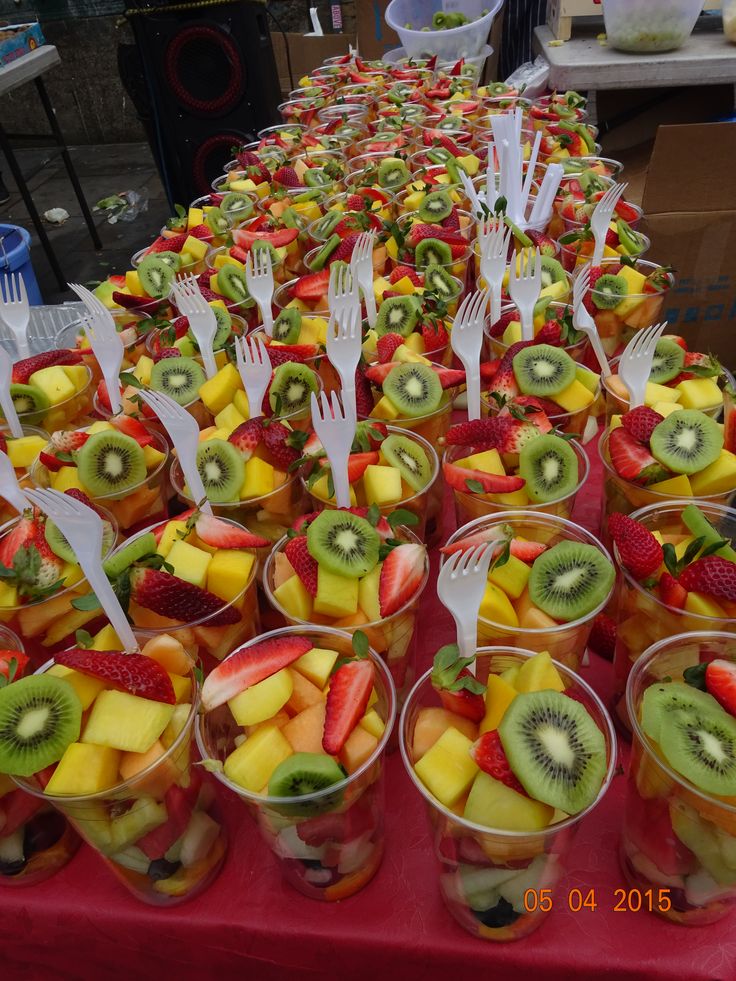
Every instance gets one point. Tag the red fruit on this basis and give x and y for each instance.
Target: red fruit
(612, 239)
(671, 592)
(638, 549)
(712, 575)
(3, 443)
(503, 385)
(51, 463)
(178, 599)
(246, 238)
(474, 433)
(400, 271)
(344, 251)
(502, 323)
(401, 574)
(347, 699)
(355, 202)
(276, 441)
(720, 681)
(641, 423)
(21, 660)
(175, 243)
(458, 689)
(419, 232)
(513, 433)
(452, 222)
(66, 441)
(179, 806)
(490, 483)
(23, 535)
(22, 370)
(249, 665)
(595, 274)
(357, 464)
(201, 231)
(134, 673)
(387, 345)
(383, 528)
(312, 286)
(304, 565)
(435, 337)
(133, 428)
(551, 333)
(377, 373)
(143, 304)
(624, 210)
(363, 394)
(288, 177)
(247, 436)
(80, 496)
(631, 460)
(449, 377)
(489, 754)
(220, 534)
(602, 638)
(18, 808)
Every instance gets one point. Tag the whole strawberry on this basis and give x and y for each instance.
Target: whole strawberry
(276, 440)
(387, 345)
(641, 423)
(602, 638)
(712, 575)
(638, 549)
(363, 394)
(247, 436)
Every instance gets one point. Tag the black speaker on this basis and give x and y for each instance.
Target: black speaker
(210, 83)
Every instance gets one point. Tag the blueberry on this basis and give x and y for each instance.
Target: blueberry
(161, 869)
(501, 915)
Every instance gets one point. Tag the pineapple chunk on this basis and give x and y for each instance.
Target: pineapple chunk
(718, 478)
(145, 815)
(316, 665)
(127, 722)
(495, 805)
(66, 478)
(229, 572)
(259, 478)
(252, 763)
(240, 401)
(499, 695)
(263, 700)
(106, 640)
(86, 687)
(704, 606)
(174, 532)
(23, 451)
(382, 485)
(143, 369)
(219, 391)
(190, 563)
(678, 486)
(229, 418)
(538, 673)
(54, 383)
(489, 461)
(447, 769)
(182, 688)
(368, 599)
(337, 596)
(294, 598)
(196, 247)
(575, 397)
(373, 722)
(699, 393)
(85, 769)
(320, 489)
(385, 409)
(512, 576)
(496, 606)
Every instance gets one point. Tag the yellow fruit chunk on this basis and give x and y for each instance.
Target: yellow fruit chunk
(718, 478)
(512, 576)
(86, 687)
(515, 499)
(229, 418)
(678, 486)
(71, 575)
(704, 606)
(292, 595)
(384, 409)
(447, 769)
(496, 606)
(489, 461)
(470, 164)
(54, 383)
(263, 700)
(511, 674)
(106, 640)
(229, 572)
(85, 769)
(77, 374)
(196, 247)
(100, 427)
(667, 408)
(23, 451)
(65, 479)
(240, 401)
(406, 355)
(539, 674)
(373, 722)
(368, 599)
(219, 391)
(575, 397)
(337, 596)
(590, 379)
(499, 695)
(634, 280)
(358, 748)
(169, 653)
(133, 283)
(195, 216)
(495, 805)
(259, 478)
(415, 343)
(182, 688)
(67, 625)
(699, 393)
(252, 763)
(320, 489)
(316, 665)
(8, 596)
(145, 815)
(382, 485)
(190, 563)
(128, 722)
(175, 531)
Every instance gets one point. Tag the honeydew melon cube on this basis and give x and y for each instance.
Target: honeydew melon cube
(337, 596)
(85, 769)
(190, 563)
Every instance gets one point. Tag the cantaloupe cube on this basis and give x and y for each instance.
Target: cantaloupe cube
(123, 721)
(219, 391)
(575, 397)
(252, 763)
(306, 729)
(718, 478)
(54, 383)
(382, 485)
(538, 673)
(23, 452)
(316, 665)
(86, 687)
(512, 576)
(489, 461)
(259, 478)
(358, 748)
(699, 393)
(373, 722)
(169, 652)
(368, 600)
(174, 531)
(229, 572)
(292, 595)
(447, 769)
(190, 563)
(496, 606)
(262, 700)
(499, 695)
(337, 596)
(85, 769)
(303, 693)
(432, 722)
(157, 783)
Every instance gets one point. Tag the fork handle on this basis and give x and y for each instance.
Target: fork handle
(597, 344)
(600, 243)
(11, 416)
(472, 385)
(467, 637)
(21, 342)
(208, 357)
(527, 323)
(267, 317)
(113, 389)
(109, 603)
(370, 303)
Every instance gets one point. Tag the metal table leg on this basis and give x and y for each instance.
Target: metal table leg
(28, 201)
(58, 136)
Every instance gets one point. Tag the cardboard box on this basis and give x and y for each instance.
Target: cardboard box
(20, 40)
(375, 37)
(307, 53)
(690, 207)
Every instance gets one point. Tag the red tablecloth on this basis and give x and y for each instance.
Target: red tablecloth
(81, 924)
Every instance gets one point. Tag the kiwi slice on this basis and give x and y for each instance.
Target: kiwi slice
(236, 206)
(156, 276)
(233, 285)
(133, 550)
(701, 746)
(667, 362)
(224, 329)
(687, 441)
(555, 749)
(343, 543)
(323, 227)
(28, 398)
(61, 547)
(398, 315)
(216, 221)
(552, 271)
(222, 470)
(439, 281)
(435, 206)
(662, 699)
(291, 389)
(316, 177)
(409, 459)
(608, 292)
(393, 172)
(305, 773)
(521, 237)
(287, 326)
(39, 717)
(111, 463)
(631, 240)
(432, 252)
(543, 370)
(696, 522)
(181, 378)
(260, 246)
(318, 262)
(570, 580)
(414, 389)
(549, 466)
(172, 259)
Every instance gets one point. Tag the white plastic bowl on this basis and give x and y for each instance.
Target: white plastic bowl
(459, 42)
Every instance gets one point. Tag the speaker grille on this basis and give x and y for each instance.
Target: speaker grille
(204, 70)
(211, 157)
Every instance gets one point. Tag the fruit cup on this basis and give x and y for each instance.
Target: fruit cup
(329, 842)
(396, 401)
(493, 876)
(127, 784)
(678, 837)
(57, 397)
(521, 606)
(132, 327)
(23, 453)
(507, 330)
(645, 617)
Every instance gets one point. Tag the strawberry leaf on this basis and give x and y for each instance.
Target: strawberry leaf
(87, 602)
(83, 639)
(474, 486)
(360, 644)
(402, 517)
(695, 676)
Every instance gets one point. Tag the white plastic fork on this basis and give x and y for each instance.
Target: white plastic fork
(460, 586)
(6, 399)
(10, 489)
(108, 349)
(93, 303)
(494, 252)
(344, 342)
(254, 368)
(582, 320)
(336, 431)
(525, 285)
(259, 278)
(342, 292)
(184, 432)
(361, 262)
(466, 339)
(82, 527)
(636, 362)
(470, 192)
(14, 310)
(188, 298)
(601, 219)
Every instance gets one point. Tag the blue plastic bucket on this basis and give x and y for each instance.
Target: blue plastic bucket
(15, 256)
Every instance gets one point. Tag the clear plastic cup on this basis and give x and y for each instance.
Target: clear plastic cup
(615, 405)
(564, 422)
(345, 822)
(471, 853)
(68, 413)
(431, 426)
(190, 268)
(565, 642)
(196, 408)
(643, 618)
(553, 311)
(677, 842)
(72, 336)
(22, 474)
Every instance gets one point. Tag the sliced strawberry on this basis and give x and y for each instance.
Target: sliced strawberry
(401, 574)
(671, 592)
(202, 231)
(21, 660)
(377, 373)
(632, 461)
(249, 665)
(513, 433)
(626, 211)
(221, 534)
(503, 385)
(276, 440)
(641, 423)
(22, 370)
(52, 463)
(386, 346)
(133, 428)
(357, 464)
(488, 753)
(297, 352)
(23, 535)
(67, 441)
(435, 338)
(312, 286)
(80, 496)
(246, 237)
(134, 673)
(247, 436)
(602, 638)
(363, 394)
(166, 352)
(452, 222)
(178, 599)
(399, 272)
(449, 377)
(459, 690)
(551, 333)
(3, 443)
(488, 483)
(304, 565)
(720, 681)
(370, 434)
(712, 575)
(144, 304)
(180, 804)
(383, 528)
(344, 251)
(638, 549)
(476, 432)
(174, 243)
(350, 688)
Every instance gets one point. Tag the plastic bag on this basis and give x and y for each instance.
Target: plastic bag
(530, 78)
(125, 206)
